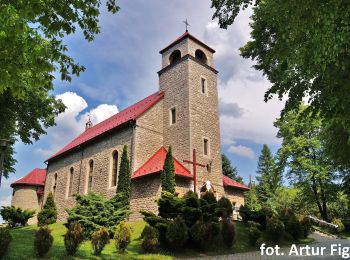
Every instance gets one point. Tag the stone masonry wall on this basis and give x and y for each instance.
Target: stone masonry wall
(25, 197)
(148, 136)
(101, 153)
(236, 197)
(204, 118)
(175, 84)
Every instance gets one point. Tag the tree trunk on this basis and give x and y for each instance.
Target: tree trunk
(324, 213)
(314, 189)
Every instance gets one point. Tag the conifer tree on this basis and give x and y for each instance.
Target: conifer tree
(230, 171)
(168, 173)
(268, 175)
(48, 215)
(124, 182)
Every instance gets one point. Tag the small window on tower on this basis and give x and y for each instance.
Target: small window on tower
(206, 146)
(173, 116)
(203, 85)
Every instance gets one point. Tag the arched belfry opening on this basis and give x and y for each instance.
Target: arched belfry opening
(174, 56)
(200, 55)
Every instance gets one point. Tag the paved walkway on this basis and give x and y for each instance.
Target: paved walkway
(321, 241)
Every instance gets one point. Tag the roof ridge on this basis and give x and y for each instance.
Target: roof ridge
(131, 112)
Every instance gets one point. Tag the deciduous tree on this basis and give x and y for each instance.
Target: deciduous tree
(32, 52)
(303, 49)
(302, 151)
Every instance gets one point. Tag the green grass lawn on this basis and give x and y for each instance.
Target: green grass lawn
(22, 247)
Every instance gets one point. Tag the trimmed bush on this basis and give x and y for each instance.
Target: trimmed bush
(99, 240)
(228, 232)
(73, 238)
(150, 240)
(5, 240)
(122, 236)
(43, 241)
(340, 224)
(16, 216)
(199, 233)
(177, 233)
(254, 233)
(274, 229)
(294, 227)
(225, 208)
(48, 215)
(306, 225)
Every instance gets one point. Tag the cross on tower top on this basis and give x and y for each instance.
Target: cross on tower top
(187, 24)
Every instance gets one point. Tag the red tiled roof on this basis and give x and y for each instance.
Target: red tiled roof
(228, 182)
(36, 178)
(186, 34)
(129, 113)
(155, 164)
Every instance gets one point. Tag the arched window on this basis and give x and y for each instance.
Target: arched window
(54, 184)
(91, 171)
(174, 56)
(114, 168)
(71, 178)
(201, 56)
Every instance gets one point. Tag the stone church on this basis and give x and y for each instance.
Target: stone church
(183, 114)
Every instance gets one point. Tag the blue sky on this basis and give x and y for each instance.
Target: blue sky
(121, 68)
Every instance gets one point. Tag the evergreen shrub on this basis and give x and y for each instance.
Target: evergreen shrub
(225, 208)
(99, 240)
(274, 229)
(228, 232)
(122, 236)
(177, 233)
(254, 233)
(73, 238)
(5, 240)
(48, 215)
(306, 224)
(150, 239)
(43, 241)
(93, 212)
(16, 216)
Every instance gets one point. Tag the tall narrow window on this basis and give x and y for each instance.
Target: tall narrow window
(91, 171)
(54, 184)
(173, 116)
(114, 169)
(71, 178)
(203, 85)
(206, 146)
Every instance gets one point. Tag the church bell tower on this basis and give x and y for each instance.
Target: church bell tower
(190, 107)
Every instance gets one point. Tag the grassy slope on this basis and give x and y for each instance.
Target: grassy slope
(22, 245)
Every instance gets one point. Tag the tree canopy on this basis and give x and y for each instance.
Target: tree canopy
(229, 170)
(303, 49)
(268, 175)
(32, 51)
(308, 166)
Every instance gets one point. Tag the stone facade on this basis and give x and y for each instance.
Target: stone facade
(236, 197)
(26, 197)
(101, 153)
(197, 113)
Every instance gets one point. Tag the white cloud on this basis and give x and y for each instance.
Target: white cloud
(5, 200)
(242, 151)
(71, 123)
(241, 86)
